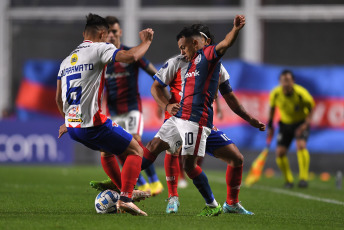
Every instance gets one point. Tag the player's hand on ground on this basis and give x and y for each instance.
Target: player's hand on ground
(146, 35)
(62, 130)
(239, 21)
(257, 124)
(173, 108)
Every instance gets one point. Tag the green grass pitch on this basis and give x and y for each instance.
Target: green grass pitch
(61, 198)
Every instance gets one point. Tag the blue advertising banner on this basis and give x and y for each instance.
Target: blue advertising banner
(34, 142)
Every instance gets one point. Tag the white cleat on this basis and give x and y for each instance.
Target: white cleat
(139, 195)
(130, 208)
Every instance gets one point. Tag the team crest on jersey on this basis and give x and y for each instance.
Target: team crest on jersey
(198, 59)
(74, 59)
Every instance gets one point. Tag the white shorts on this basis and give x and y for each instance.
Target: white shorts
(191, 135)
(132, 121)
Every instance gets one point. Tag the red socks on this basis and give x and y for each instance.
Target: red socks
(233, 181)
(172, 172)
(111, 169)
(130, 172)
(194, 173)
(147, 154)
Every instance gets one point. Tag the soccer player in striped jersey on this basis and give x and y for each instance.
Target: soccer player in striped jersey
(218, 144)
(124, 103)
(80, 84)
(192, 122)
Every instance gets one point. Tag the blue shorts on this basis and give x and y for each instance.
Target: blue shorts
(106, 137)
(215, 140)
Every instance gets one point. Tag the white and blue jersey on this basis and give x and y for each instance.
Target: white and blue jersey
(82, 83)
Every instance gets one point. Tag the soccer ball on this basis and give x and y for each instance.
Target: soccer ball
(106, 201)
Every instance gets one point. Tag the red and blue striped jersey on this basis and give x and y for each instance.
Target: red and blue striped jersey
(200, 85)
(122, 85)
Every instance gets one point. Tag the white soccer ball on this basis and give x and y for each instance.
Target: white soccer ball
(106, 201)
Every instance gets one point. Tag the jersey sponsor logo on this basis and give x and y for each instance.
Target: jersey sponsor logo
(187, 147)
(117, 75)
(198, 59)
(192, 74)
(74, 120)
(74, 59)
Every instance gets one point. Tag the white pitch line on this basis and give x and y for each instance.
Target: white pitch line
(286, 192)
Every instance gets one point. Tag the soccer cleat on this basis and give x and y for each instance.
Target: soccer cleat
(182, 183)
(156, 188)
(173, 205)
(236, 208)
(303, 184)
(145, 188)
(209, 211)
(130, 208)
(288, 185)
(103, 185)
(139, 195)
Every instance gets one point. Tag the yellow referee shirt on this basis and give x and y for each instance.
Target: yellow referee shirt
(293, 108)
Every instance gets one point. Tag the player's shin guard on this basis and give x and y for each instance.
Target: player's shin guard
(111, 169)
(130, 173)
(171, 164)
(200, 180)
(233, 181)
(283, 164)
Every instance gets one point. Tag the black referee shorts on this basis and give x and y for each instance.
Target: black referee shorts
(286, 133)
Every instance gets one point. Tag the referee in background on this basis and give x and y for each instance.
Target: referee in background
(295, 105)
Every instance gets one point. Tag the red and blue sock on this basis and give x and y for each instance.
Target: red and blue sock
(200, 180)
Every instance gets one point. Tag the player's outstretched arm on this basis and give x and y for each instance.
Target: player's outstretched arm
(137, 52)
(239, 23)
(158, 93)
(233, 102)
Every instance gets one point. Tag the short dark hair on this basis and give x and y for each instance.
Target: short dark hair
(94, 23)
(188, 32)
(111, 20)
(204, 29)
(287, 71)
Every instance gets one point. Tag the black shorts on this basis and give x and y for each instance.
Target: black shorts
(286, 133)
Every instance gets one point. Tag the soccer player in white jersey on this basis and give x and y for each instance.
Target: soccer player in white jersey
(124, 104)
(80, 84)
